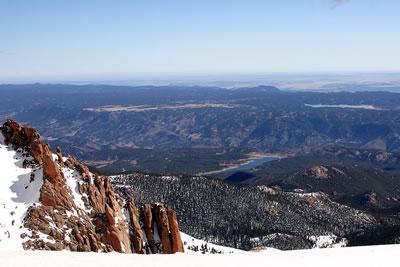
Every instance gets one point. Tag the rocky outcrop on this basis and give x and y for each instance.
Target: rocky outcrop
(23, 137)
(60, 157)
(147, 215)
(136, 229)
(51, 170)
(318, 172)
(161, 219)
(83, 212)
(176, 241)
(164, 217)
(370, 200)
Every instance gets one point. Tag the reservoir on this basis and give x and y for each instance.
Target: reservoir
(248, 166)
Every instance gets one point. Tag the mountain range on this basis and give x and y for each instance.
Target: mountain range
(336, 178)
(100, 117)
(52, 202)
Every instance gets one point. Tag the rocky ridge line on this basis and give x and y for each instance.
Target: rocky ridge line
(95, 218)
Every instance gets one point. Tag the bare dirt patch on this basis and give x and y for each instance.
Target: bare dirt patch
(142, 108)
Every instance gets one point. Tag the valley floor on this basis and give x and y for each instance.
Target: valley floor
(386, 255)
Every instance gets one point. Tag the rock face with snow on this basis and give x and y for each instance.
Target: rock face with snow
(74, 209)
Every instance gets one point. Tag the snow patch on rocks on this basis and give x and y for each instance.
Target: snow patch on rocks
(19, 189)
(328, 241)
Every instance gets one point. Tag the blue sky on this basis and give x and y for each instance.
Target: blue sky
(91, 38)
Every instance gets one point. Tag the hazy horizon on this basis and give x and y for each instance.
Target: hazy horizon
(101, 40)
(348, 81)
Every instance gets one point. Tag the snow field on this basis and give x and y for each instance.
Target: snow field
(373, 256)
(18, 191)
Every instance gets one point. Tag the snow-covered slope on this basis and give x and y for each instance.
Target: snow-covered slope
(18, 190)
(373, 256)
(193, 245)
(20, 185)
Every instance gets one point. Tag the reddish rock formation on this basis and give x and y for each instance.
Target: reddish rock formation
(36, 144)
(147, 217)
(115, 241)
(12, 131)
(50, 168)
(97, 195)
(319, 172)
(110, 215)
(161, 217)
(48, 196)
(81, 168)
(259, 249)
(136, 230)
(60, 157)
(98, 226)
(26, 138)
(177, 245)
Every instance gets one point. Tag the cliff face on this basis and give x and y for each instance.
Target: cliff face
(81, 211)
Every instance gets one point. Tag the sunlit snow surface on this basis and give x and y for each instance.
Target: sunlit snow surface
(373, 256)
(193, 245)
(20, 189)
(17, 192)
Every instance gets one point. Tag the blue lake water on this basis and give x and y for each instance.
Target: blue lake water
(250, 165)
